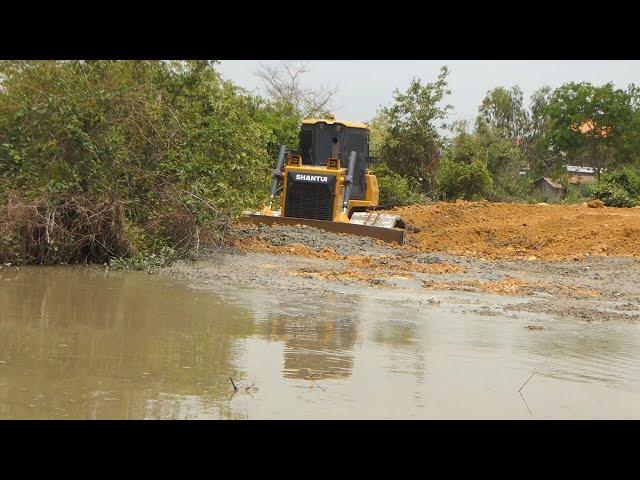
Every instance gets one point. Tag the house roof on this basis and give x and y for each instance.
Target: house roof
(555, 185)
(588, 127)
(579, 169)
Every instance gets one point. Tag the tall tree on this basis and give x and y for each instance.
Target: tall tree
(538, 118)
(379, 129)
(411, 145)
(283, 83)
(481, 164)
(502, 109)
(589, 123)
(541, 159)
(629, 145)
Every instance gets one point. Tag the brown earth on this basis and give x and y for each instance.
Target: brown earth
(523, 231)
(401, 264)
(256, 245)
(372, 270)
(370, 278)
(305, 262)
(488, 258)
(513, 286)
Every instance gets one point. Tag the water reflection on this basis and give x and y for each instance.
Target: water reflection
(314, 347)
(319, 333)
(83, 343)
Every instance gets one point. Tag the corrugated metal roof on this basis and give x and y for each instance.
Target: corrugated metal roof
(579, 169)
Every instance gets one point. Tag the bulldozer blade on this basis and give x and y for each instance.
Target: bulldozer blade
(389, 235)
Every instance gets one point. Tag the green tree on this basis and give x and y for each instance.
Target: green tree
(395, 189)
(483, 164)
(540, 157)
(282, 120)
(502, 110)
(538, 117)
(590, 123)
(379, 130)
(628, 148)
(504, 160)
(411, 145)
(461, 173)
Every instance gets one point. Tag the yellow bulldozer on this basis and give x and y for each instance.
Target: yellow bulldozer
(327, 184)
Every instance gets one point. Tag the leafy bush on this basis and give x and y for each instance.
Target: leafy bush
(469, 181)
(619, 188)
(481, 165)
(396, 190)
(613, 195)
(575, 193)
(110, 159)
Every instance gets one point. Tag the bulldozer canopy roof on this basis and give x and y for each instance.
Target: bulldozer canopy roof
(313, 121)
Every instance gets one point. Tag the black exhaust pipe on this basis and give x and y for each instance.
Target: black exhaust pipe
(277, 175)
(348, 182)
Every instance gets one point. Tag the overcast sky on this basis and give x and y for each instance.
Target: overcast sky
(367, 85)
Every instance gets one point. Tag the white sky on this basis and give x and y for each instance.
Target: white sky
(367, 85)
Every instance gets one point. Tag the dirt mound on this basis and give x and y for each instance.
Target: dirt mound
(473, 229)
(523, 231)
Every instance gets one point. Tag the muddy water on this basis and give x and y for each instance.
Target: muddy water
(82, 343)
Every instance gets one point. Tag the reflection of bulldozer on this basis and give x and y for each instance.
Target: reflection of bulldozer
(315, 348)
(317, 190)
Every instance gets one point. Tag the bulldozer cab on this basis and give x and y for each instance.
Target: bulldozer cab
(321, 139)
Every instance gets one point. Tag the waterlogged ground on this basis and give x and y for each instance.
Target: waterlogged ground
(85, 343)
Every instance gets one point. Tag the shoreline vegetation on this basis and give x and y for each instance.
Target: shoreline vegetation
(125, 159)
(138, 163)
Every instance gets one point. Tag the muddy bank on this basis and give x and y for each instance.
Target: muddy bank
(303, 261)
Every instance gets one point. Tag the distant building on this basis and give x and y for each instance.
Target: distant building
(578, 174)
(547, 188)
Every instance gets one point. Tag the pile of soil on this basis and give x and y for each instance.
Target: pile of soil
(523, 231)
